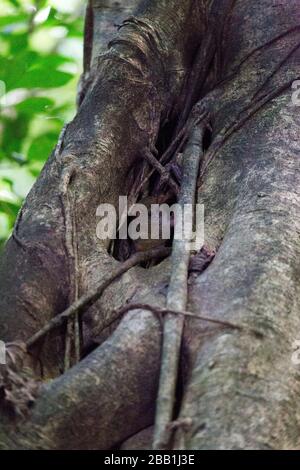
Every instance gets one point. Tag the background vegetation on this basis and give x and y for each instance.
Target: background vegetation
(40, 64)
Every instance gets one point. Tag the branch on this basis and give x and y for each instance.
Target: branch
(91, 297)
(165, 311)
(177, 295)
(164, 173)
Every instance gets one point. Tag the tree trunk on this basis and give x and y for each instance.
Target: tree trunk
(238, 387)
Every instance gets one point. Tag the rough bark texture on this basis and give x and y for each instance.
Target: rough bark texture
(239, 390)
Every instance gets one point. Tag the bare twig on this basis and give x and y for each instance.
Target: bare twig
(172, 151)
(177, 296)
(165, 311)
(91, 297)
(176, 144)
(197, 76)
(165, 174)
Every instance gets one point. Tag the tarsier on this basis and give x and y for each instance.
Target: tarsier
(210, 81)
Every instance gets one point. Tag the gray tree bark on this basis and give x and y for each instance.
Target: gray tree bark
(239, 389)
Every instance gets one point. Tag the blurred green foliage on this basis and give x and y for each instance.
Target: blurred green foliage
(40, 63)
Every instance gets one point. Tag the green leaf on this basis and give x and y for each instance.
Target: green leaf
(15, 3)
(44, 78)
(52, 61)
(14, 68)
(18, 42)
(9, 208)
(12, 19)
(41, 3)
(14, 132)
(34, 105)
(8, 181)
(41, 147)
(31, 70)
